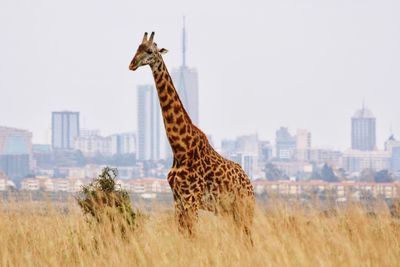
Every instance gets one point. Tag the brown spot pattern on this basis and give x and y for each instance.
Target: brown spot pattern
(200, 178)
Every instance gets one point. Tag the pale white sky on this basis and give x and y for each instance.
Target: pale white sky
(262, 64)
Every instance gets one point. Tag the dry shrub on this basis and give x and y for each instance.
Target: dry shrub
(102, 199)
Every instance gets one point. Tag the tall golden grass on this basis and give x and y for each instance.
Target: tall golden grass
(42, 234)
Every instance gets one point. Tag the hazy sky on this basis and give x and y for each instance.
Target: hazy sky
(262, 64)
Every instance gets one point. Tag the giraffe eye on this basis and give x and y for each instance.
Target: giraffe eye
(149, 51)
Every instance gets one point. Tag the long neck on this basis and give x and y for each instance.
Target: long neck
(178, 125)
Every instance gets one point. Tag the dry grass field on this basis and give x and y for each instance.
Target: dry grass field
(39, 234)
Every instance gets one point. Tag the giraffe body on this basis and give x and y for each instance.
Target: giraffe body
(200, 178)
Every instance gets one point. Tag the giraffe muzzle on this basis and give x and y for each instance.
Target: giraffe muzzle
(133, 67)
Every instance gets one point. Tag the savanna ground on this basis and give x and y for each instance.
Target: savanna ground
(47, 234)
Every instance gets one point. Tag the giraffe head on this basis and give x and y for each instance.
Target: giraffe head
(147, 53)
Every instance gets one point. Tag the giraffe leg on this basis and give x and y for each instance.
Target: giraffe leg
(186, 200)
(243, 213)
(187, 217)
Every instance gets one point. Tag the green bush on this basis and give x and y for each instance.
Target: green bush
(103, 198)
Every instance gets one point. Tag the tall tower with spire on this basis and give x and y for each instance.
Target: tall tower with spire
(187, 82)
(184, 43)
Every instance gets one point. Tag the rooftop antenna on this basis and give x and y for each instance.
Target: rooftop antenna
(391, 131)
(184, 43)
(182, 80)
(363, 107)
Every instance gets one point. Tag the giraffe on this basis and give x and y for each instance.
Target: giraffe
(199, 178)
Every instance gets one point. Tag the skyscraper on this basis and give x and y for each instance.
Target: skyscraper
(363, 133)
(148, 123)
(186, 81)
(64, 129)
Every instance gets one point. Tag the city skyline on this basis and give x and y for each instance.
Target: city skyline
(155, 106)
(80, 151)
(311, 68)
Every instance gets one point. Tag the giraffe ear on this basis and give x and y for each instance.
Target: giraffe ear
(163, 51)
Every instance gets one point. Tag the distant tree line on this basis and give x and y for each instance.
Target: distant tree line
(326, 173)
(75, 158)
(273, 173)
(382, 176)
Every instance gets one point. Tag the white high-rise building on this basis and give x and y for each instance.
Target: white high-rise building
(358, 160)
(93, 145)
(247, 154)
(65, 128)
(303, 145)
(123, 143)
(148, 146)
(247, 144)
(187, 83)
